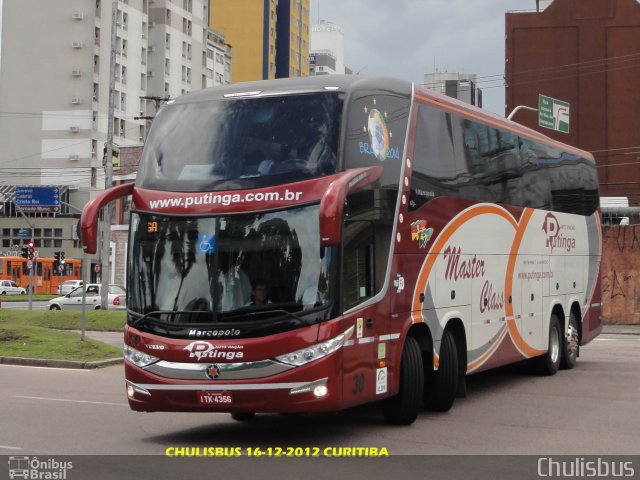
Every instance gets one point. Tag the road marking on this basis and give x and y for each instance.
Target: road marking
(71, 401)
(607, 339)
(7, 447)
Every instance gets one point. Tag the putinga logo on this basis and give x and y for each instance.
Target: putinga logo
(205, 351)
(551, 227)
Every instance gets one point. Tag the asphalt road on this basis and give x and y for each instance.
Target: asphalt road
(592, 409)
(24, 305)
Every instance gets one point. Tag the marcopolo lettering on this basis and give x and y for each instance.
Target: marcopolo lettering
(232, 332)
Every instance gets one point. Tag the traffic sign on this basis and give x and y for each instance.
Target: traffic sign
(24, 232)
(38, 199)
(553, 114)
(36, 254)
(29, 264)
(61, 268)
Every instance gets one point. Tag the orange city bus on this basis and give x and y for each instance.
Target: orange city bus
(311, 244)
(47, 274)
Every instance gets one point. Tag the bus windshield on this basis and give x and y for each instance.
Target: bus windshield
(214, 269)
(242, 143)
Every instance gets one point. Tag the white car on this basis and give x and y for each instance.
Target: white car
(68, 286)
(8, 287)
(117, 299)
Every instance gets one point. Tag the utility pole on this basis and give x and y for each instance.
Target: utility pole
(158, 101)
(108, 163)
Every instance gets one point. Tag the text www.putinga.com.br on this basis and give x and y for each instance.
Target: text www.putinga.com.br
(225, 199)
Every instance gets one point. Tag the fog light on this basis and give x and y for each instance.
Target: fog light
(130, 391)
(320, 391)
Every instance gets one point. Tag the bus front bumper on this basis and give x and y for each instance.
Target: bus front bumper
(314, 387)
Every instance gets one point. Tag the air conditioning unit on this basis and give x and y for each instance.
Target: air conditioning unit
(150, 74)
(76, 100)
(74, 158)
(77, 15)
(77, 44)
(150, 49)
(76, 72)
(74, 129)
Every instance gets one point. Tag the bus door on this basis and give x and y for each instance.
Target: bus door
(16, 271)
(46, 278)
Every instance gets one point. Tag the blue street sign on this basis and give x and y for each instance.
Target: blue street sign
(37, 196)
(24, 232)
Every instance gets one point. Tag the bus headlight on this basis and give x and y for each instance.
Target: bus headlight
(139, 359)
(317, 351)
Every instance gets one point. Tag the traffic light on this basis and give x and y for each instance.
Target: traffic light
(25, 251)
(62, 258)
(31, 250)
(56, 255)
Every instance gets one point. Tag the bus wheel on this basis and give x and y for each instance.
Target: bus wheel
(443, 387)
(403, 408)
(570, 345)
(243, 416)
(549, 363)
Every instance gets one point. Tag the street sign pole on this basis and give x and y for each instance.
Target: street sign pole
(31, 284)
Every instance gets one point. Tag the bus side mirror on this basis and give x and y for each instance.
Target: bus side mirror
(332, 203)
(89, 218)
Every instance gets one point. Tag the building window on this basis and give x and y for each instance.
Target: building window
(219, 58)
(46, 243)
(57, 243)
(47, 232)
(210, 54)
(167, 41)
(168, 21)
(209, 73)
(57, 232)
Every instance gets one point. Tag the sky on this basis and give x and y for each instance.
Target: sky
(407, 38)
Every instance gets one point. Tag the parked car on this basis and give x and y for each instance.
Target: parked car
(68, 286)
(8, 287)
(117, 298)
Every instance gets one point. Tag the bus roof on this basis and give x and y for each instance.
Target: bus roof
(317, 83)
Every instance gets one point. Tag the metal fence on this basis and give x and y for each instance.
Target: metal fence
(620, 215)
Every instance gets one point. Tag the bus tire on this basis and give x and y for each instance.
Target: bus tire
(549, 363)
(570, 345)
(243, 416)
(443, 387)
(403, 408)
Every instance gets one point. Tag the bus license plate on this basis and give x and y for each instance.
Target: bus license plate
(215, 398)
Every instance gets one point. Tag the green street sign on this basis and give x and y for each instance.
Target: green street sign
(553, 114)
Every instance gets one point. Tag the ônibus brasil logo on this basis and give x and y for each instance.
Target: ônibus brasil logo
(555, 239)
(205, 351)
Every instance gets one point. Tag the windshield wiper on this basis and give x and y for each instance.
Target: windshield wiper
(270, 311)
(152, 316)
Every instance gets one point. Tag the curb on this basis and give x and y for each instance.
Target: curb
(42, 362)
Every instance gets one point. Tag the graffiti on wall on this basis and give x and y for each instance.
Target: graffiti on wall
(621, 274)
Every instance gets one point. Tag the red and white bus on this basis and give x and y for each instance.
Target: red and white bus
(306, 245)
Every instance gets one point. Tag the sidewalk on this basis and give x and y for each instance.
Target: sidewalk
(621, 329)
